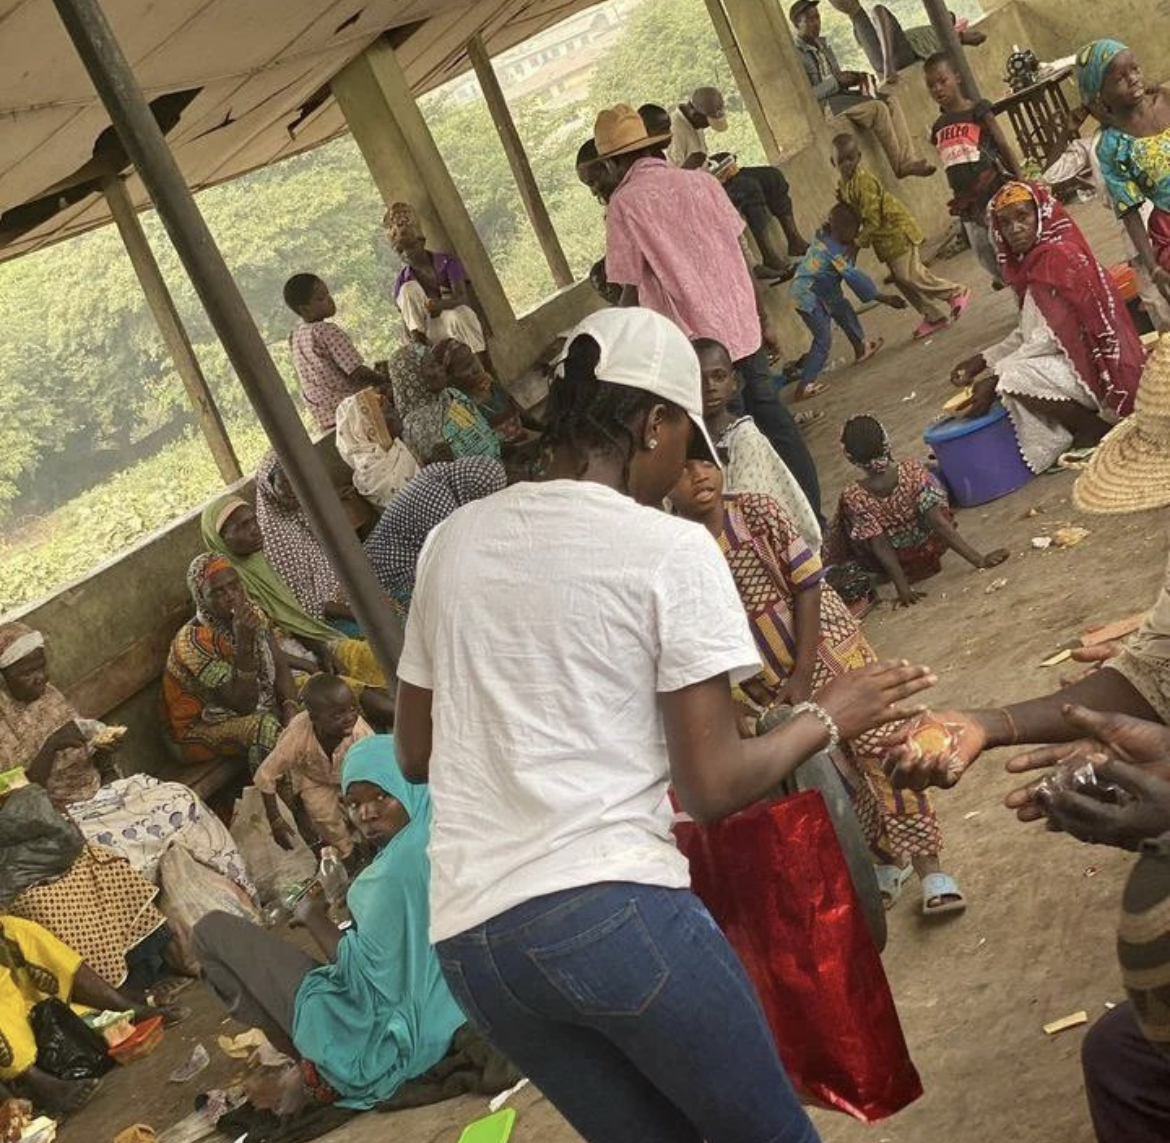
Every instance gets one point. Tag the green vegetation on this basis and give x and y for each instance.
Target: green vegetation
(97, 445)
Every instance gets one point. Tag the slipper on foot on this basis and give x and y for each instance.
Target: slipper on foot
(891, 881)
(942, 889)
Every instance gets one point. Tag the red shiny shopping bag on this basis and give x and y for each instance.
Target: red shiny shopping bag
(775, 880)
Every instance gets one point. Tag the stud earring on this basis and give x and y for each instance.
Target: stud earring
(653, 443)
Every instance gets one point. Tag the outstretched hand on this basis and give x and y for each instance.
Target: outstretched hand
(912, 769)
(873, 696)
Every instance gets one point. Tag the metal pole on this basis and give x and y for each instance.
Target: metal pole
(944, 27)
(170, 326)
(114, 81)
(517, 157)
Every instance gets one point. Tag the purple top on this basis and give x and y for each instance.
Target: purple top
(448, 269)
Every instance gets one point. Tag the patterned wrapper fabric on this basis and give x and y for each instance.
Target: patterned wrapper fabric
(775, 880)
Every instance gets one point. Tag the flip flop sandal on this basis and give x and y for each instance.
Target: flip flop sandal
(807, 417)
(813, 390)
(891, 881)
(1075, 459)
(939, 887)
(871, 347)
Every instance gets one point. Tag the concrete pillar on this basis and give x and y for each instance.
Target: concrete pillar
(758, 42)
(389, 129)
(170, 325)
(513, 146)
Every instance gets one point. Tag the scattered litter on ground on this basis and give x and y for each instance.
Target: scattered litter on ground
(1069, 537)
(1033, 512)
(139, 1133)
(242, 1046)
(911, 396)
(971, 814)
(1110, 632)
(994, 586)
(499, 1100)
(196, 1062)
(1092, 871)
(1075, 1020)
(1057, 659)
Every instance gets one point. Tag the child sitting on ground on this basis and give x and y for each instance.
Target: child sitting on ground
(820, 301)
(896, 519)
(977, 158)
(896, 238)
(309, 754)
(752, 464)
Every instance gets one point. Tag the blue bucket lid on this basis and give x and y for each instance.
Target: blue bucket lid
(951, 428)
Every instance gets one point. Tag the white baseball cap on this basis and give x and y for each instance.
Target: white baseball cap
(644, 350)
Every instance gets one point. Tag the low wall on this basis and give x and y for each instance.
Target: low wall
(108, 633)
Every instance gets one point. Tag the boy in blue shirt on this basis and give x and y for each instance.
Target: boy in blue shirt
(820, 300)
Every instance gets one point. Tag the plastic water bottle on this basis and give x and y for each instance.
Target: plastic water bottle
(334, 883)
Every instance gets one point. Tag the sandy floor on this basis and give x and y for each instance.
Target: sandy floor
(1037, 941)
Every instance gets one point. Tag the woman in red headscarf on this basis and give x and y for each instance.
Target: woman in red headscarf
(1070, 368)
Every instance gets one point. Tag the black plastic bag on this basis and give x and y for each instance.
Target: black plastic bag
(67, 1047)
(37, 844)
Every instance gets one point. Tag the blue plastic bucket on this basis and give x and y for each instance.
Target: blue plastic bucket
(978, 458)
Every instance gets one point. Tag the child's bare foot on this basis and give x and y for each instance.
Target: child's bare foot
(918, 169)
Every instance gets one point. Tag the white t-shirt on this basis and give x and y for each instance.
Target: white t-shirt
(546, 619)
(685, 138)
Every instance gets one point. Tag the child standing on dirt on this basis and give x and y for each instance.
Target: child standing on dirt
(806, 637)
(896, 519)
(975, 155)
(896, 238)
(820, 300)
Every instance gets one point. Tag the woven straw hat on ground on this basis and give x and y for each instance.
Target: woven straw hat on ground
(1130, 471)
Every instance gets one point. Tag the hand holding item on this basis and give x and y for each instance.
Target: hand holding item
(928, 759)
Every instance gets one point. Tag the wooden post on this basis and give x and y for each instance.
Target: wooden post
(944, 27)
(518, 160)
(170, 325)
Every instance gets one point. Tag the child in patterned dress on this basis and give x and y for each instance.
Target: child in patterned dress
(806, 637)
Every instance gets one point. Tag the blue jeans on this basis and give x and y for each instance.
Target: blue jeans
(629, 1010)
(758, 396)
(833, 307)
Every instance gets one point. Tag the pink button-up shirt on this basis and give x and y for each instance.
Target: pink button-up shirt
(675, 236)
(324, 357)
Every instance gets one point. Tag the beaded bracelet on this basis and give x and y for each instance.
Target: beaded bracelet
(824, 718)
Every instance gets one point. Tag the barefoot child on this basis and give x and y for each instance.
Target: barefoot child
(896, 517)
(806, 637)
(977, 158)
(820, 301)
(896, 238)
(752, 464)
(309, 752)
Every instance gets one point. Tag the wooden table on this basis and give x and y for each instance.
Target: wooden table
(1038, 115)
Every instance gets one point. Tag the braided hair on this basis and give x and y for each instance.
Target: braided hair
(866, 443)
(586, 415)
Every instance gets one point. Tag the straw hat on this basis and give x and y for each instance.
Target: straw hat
(620, 130)
(1130, 471)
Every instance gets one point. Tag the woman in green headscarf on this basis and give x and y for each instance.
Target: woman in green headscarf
(230, 529)
(380, 1013)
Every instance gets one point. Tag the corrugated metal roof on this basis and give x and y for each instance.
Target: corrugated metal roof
(255, 65)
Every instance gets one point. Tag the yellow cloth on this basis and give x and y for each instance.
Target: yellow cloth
(358, 662)
(886, 224)
(34, 964)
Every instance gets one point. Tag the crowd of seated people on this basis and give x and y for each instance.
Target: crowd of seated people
(649, 397)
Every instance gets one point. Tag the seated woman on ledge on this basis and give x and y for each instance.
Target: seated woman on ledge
(1070, 368)
(35, 965)
(378, 1013)
(431, 289)
(227, 687)
(230, 529)
(896, 519)
(137, 818)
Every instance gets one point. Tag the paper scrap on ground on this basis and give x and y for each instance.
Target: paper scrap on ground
(196, 1062)
(1066, 1022)
(994, 586)
(242, 1046)
(1058, 658)
(1069, 537)
(1041, 543)
(499, 1100)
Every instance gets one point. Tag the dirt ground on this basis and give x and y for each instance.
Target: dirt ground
(1037, 941)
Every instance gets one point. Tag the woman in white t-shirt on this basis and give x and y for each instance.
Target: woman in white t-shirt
(586, 670)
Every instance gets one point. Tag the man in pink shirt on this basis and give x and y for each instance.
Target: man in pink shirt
(672, 241)
(328, 366)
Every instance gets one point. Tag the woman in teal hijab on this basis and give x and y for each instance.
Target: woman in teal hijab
(380, 1014)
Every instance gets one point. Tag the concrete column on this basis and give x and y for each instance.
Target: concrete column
(758, 42)
(170, 325)
(389, 129)
(530, 194)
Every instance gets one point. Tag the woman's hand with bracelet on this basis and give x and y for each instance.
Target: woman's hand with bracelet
(873, 696)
